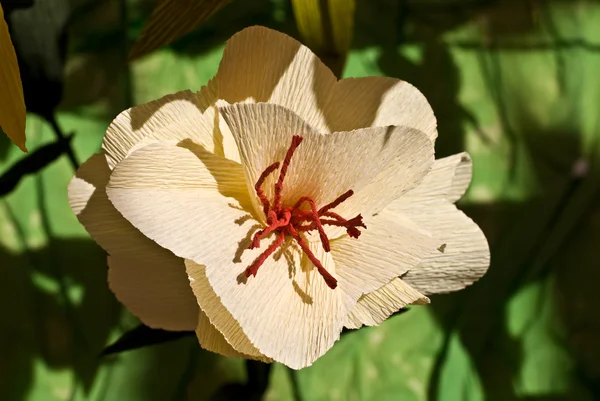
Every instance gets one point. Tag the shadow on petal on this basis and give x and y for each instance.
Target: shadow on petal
(228, 174)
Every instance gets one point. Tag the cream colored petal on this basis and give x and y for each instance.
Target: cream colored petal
(148, 279)
(217, 314)
(173, 117)
(378, 164)
(375, 307)
(386, 249)
(224, 144)
(185, 180)
(465, 257)
(287, 311)
(212, 340)
(378, 102)
(207, 96)
(268, 66)
(154, 287)
(449, 178)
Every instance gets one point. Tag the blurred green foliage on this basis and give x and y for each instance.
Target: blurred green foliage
(514, 82)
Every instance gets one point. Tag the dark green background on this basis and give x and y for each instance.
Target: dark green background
(515, 83)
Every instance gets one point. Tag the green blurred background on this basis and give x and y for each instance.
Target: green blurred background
(514, 82)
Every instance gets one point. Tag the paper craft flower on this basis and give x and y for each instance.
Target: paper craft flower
(278, 205)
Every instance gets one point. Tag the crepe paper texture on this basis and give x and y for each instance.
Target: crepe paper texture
(278, 205)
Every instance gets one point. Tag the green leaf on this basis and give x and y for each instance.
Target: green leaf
(388, 362)
(33, 163)
(172, 19)
(57, 314)
(143, 336)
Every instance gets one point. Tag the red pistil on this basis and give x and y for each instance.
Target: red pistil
(292, 221)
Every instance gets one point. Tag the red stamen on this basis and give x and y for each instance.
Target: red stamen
(274, 226)
(317, 222)
(336, 202)
(333, 215)
(253, 268)
(340, 222)
(259, 192)
(329, 279)
(296, 140)
(285, 220)
(349, 224)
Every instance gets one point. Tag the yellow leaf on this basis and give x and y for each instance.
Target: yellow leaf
(326, 27)
(172, 19)
(12, 102)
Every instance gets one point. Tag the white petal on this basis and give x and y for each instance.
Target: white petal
(378, 164)
(217, 314)
(154, 287)
(465, 257)
(212, 340)
(448, 179)
(224, 144)
(386, 249)
(263, 65)
(378, 102)
(148, 279)
(173, 117)
(287, 311)
(375, 307)
(176, 196)
(180, 200)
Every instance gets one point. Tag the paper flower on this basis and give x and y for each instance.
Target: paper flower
(278, 205)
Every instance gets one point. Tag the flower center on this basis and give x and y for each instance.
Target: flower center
(292, 220)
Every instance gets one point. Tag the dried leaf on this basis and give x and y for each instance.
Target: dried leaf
(172, 19)
(326, 27)
(12, 102)
(40, 40)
